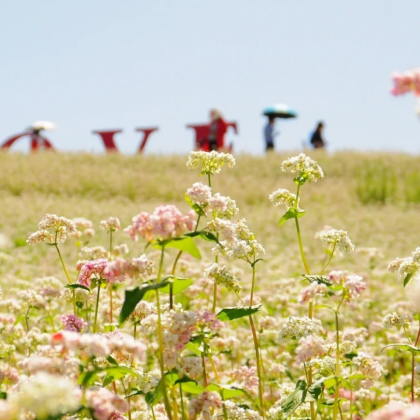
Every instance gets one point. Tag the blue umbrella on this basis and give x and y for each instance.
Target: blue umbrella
(280, 111)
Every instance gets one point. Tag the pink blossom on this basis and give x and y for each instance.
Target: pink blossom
(396, 411)
(120, 269)
(73, 323)
(105, 404)
(247, 375)
(94, 267)
(164, 223)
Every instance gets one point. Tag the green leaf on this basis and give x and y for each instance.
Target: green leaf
(229, 314)
(408, 278)
(256, 261)
(295, 399)
(185, 244)
(178, 285)
(153, 397)
(315, 390)
(133, 297)
(120, 371)
(207, 236)
(291, 213)
(87, 378)
(404, 346)
(3, 395)
(318, 279)
(330, 381)
(138, 392)
(228, 391)
(77, 286)
(190, 385)
(193, 348)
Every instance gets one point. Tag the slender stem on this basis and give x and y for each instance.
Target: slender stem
(182, 403)
(213, 309)
(110, 242)
(209, 179)
(171, 286)
(97, 306)
(110, 303)
(175, 405)
(329, 260)
(27, 318)
(203, 363)
(259, 373)
(413, 365)
(311, 305)
(337, 362)
(160, 338)
(251, 299)
(62, 263)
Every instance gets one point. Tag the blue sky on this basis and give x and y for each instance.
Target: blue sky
(124, 64)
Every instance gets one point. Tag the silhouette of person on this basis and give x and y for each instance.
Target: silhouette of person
(317, 140)
(217, 130)
(269, 134)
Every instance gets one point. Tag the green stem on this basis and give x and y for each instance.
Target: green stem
(110, 242)
(97, 306)
(182, 403)
(413, 365)
(160, 338)
(27, 319)
(259, 373)
(171, 286)
(337, 361)
(329, 260)
(311, 305)
(209, 179)
(62, 263)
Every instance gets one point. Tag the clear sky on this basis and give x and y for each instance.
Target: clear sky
(103, 64)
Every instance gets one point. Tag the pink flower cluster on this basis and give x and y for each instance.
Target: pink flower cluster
(165, 222)
(406, 82)
(247, 375)
(73, 323)
(94, 267)
(105, 404)
(98, 345)
(396, 411)
(120, 268)
(205, 404)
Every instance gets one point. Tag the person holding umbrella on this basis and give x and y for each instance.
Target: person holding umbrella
(273, 112)
(269, 134)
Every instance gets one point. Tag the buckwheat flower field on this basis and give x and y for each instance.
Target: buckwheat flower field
(210, 286)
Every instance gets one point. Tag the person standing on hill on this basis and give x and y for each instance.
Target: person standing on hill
(269, 134)
(317, 140)
(217, 130)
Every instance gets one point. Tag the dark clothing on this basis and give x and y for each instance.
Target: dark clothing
(316, 140)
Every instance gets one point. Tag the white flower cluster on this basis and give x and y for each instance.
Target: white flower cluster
(236, 240)
(217, 204)
(395, 320)
(405, 266)
(99, 345)
(52, 229)
(222, 275)
(48, 396)
(304, 166)
(210, 162)
(297, 327)
(368, 366)
(84, 227)
(111, 224)
(338, 238)
(235, 412)
(147, 381)
(93, 253)
(283, 196)
(352, 283)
